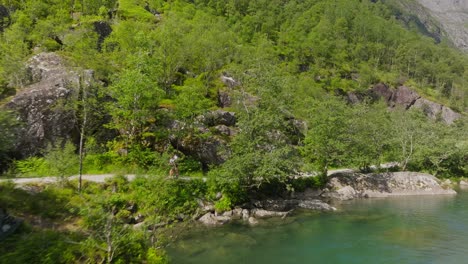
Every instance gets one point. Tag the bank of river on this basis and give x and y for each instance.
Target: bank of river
(416, 229)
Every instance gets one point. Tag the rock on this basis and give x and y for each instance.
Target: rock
(139, 225)
(6, 228)
(209, 151)
(276, 204)
(341, 185)
(405, 97)
(227, 213)
(342, 194)
(449, 116)
(205, 206)
(308, 194)
(224, 130)
(218, 117)
(261, 213)
(229, 81)
(237, 214)
(315, 205)
(103, 29)
(437, 111)
(211, 219)
(224, 99)
(447, 183)
(245, 214)
(463, 184)
(44, 105)
(252, 221)
(8, 224)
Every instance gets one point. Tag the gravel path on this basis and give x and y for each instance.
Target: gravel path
(87, 177)
(102, 177)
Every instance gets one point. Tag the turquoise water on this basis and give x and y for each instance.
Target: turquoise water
(424, 229)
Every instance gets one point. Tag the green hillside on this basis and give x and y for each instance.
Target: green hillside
(163, 70)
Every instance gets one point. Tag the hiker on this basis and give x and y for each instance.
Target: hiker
(174, 172)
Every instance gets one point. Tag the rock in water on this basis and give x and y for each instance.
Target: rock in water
(261, 213)
(315, 205)
(345, 186)
(211, 219)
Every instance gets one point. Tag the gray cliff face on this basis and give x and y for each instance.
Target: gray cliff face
(452, 16)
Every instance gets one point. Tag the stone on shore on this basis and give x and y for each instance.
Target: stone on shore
(211, 219)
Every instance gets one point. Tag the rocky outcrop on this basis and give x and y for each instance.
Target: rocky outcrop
(347, 186)
(210, 150)
(218, 117)
(218, 125)
(437, 111)
(270, 208)
(407, 98)
(44, 104)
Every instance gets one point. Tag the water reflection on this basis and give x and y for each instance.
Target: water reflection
(423, 229)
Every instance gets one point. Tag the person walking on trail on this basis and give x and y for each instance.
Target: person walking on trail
(174, 172)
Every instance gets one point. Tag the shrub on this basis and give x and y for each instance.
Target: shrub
(33, 166)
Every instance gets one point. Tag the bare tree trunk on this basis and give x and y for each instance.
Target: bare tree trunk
(82, 134)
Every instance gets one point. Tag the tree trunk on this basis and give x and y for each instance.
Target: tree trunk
(82, 134)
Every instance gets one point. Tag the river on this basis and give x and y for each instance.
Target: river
(420, 229)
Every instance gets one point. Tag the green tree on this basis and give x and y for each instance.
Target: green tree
(135, 98)
(327, 141)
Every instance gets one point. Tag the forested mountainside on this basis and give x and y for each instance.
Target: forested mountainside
(246, 93)
(216, 82)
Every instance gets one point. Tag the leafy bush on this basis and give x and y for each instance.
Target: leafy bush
(62, 161)
(33, 166)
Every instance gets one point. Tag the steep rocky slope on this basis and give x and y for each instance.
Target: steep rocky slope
(438, 18)
(453, 17)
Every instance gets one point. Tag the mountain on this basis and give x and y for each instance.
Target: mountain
(437, 18)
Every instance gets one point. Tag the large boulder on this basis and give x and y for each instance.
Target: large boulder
(209, 151)
(382, 90)
(345, 186)
(44, 105)
(407, 98)
(404, 96)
